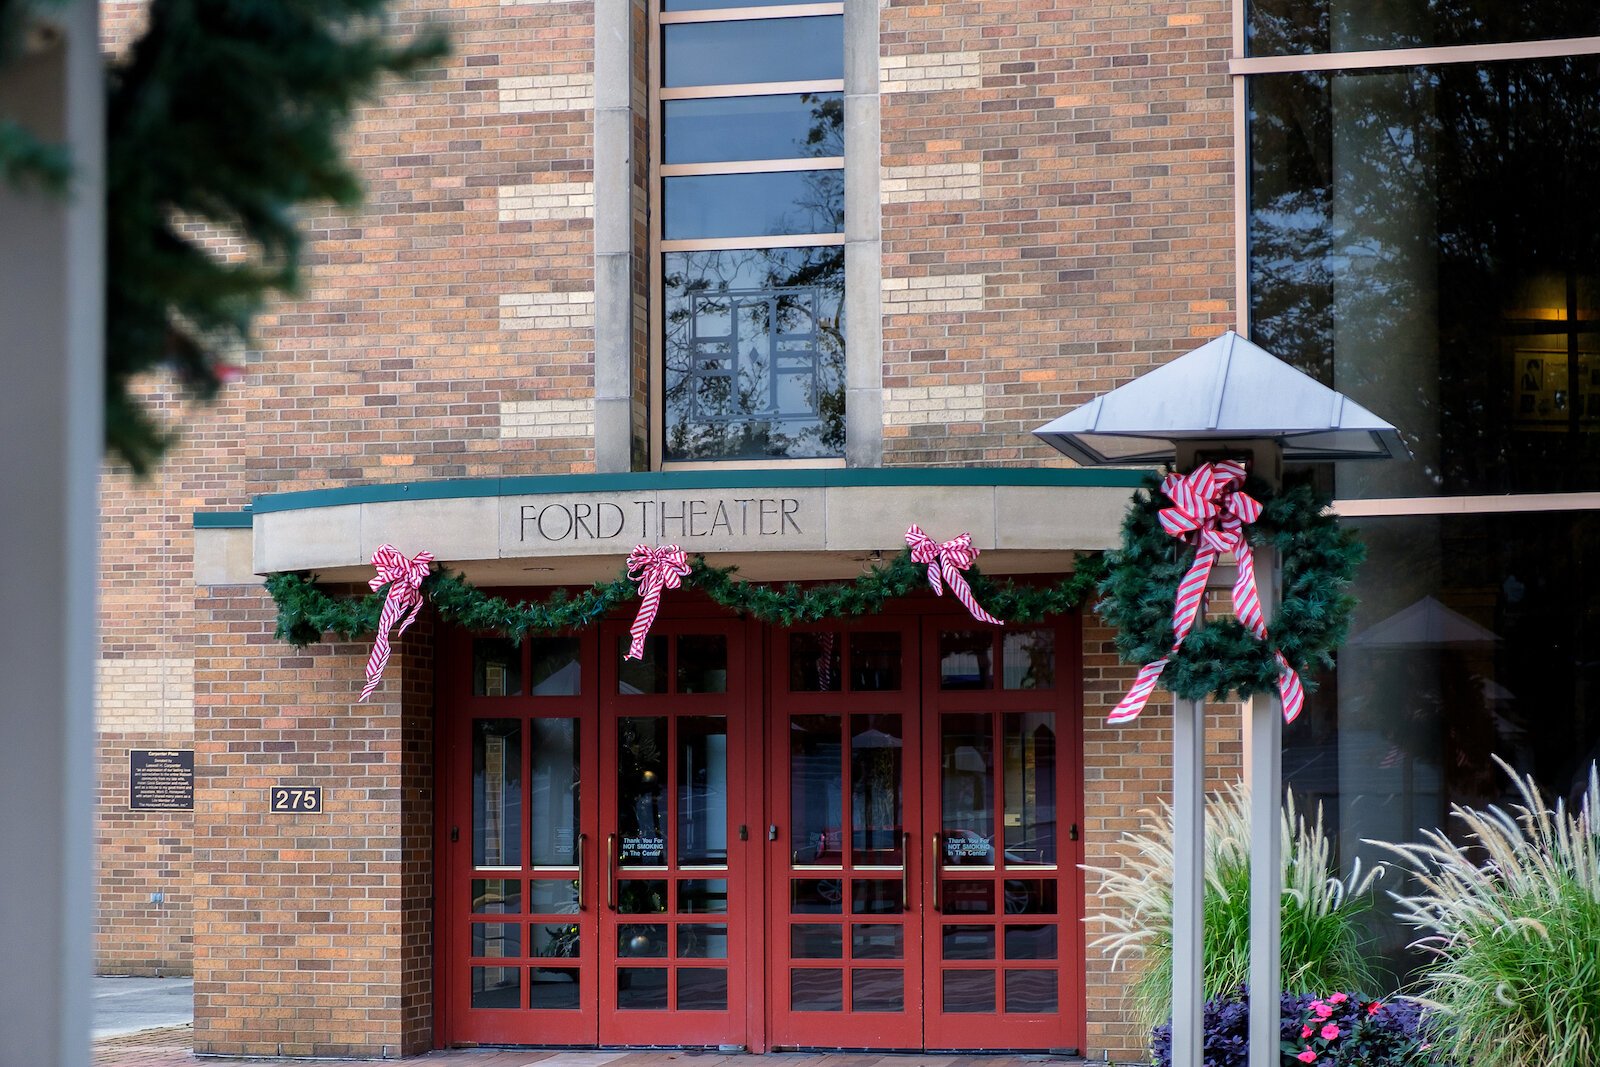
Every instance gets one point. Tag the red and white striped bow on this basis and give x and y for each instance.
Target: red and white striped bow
(1210, 510)
(653, 569)
(404, 579)
(945, 562)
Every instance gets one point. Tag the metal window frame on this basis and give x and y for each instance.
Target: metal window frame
(709, 92)
(750, 14)
(754, 166)
(744, 244)
(1381, 58)
(659, 246)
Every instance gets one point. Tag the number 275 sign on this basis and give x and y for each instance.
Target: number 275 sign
(295, 798)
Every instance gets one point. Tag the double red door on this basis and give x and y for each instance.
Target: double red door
(834, 836)
(924, 891)
(596, 867)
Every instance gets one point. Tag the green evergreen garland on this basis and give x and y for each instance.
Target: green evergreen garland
(306, 612)
(1319, 559)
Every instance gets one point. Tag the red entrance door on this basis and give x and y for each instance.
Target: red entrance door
(1003, 932)
(674, 945)
(595, 878)
(843, 935)
(633, 854)
(923, 849)
(517, 946)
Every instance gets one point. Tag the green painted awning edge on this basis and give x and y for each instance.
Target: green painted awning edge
(846, 477)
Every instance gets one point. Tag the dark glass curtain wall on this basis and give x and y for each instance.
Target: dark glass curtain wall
(1427, 240)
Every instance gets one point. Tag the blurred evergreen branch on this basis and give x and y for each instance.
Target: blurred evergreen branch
(223, 120)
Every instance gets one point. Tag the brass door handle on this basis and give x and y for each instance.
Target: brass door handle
(905, 870)
(611, 871)
(583, 865)
(936, 873)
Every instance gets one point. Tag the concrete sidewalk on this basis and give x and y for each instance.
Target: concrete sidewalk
(171, 1048)
(131, 1005)
(147, 1022)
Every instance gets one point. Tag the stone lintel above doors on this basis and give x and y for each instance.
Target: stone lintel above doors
(773, 524)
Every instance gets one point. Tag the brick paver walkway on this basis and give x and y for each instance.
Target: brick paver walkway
(171, 1048)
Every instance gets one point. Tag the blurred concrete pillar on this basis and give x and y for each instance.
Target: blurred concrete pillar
(51, 342)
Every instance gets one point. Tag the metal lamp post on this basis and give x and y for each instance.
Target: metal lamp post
(1227, 398)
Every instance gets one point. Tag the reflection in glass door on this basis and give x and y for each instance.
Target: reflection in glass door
(673, 950)
(845, 954)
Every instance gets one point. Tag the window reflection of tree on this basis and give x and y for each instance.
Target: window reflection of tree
(1290, 27)
(711, 417)
(733, 416)
(1428, 203)
(825, 138)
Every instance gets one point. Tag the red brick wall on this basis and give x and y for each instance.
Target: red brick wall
(1057, 217)
(406, 357)
(141, 854)
(144, 686)
(1128, 769)
(311, 931)
(1058, 210)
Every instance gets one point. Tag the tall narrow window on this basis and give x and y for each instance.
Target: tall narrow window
(751, 228)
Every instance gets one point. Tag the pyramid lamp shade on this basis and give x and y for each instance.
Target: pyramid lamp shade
(1226, 390)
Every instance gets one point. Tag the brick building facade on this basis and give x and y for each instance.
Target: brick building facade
(1039, 201)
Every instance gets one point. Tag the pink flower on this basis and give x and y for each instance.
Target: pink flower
(1321, 1010)
(1307, 1056)
(1375, 1007)
(1330, 1032)
(1305, 1031)
(1338, 998)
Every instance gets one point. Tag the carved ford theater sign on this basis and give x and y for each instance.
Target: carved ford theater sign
(712, 518)
(841, 511)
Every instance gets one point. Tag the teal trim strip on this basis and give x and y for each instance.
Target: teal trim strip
(222, 520)
(1065, 477)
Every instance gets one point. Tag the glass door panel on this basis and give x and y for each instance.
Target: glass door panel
(845, 961)
(673, 946)
(877, 790)
(1028, 747)
(966, 790)
(497, 793)
(555, 813)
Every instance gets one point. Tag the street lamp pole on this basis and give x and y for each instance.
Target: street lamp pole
(1263, 755)
(1228, 398)
(1188, 880)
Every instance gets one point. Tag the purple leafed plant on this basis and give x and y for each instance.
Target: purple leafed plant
(1339, 1030)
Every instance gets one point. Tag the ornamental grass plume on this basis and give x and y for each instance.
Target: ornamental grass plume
(1512, 920)
(1323, 937)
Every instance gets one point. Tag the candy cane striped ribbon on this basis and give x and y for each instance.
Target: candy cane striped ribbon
(945, 562)
(825, 643)
(404, 579)
(653, 569)
(1210, 510)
